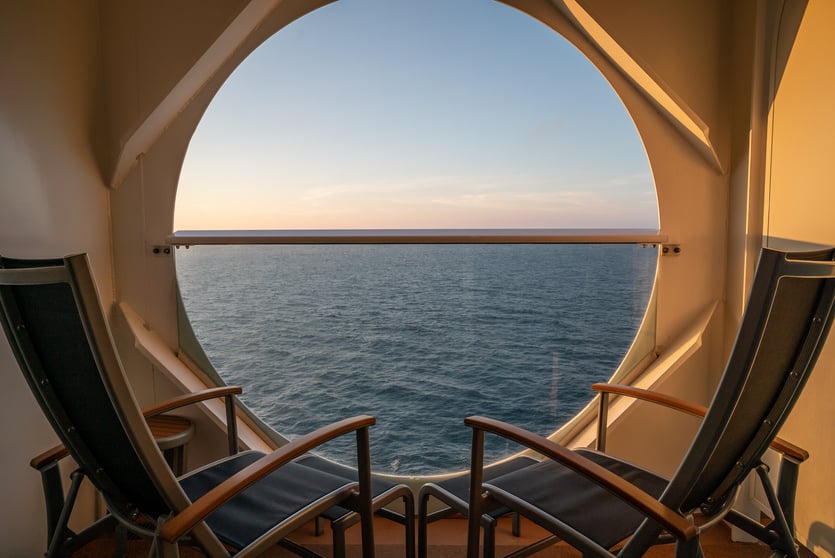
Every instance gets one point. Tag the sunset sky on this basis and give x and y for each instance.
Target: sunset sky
(415, 114)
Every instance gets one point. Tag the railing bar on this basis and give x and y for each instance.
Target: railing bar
(420, 236)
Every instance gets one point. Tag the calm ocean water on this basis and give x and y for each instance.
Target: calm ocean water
(419, 336)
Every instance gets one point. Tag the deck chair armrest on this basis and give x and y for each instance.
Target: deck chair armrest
(190, 399)
(49, 458)
(53, 455)
(227, 392)
(673, 522)
(652, 397)
(185, 520)
(790, 450)
(778, 444)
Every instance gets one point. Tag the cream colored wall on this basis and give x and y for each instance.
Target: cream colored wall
(801, 198)
(52, 203)
(157, 52)
(137, 33)
(77, 79)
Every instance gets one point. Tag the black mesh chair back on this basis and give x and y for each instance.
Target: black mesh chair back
(64, 365)
(789, 313)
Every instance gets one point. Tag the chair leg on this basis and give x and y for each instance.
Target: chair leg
(782, 526)
(364, 505)
(340, 525)
(60, 533)
(409, 525)
(786, 489)
(53, 491)
(338, 540)
(689, 549)
(121, 533)
(489, 539)
(160, 548)
(423, 524)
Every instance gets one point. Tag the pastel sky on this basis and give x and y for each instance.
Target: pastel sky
(415, 114)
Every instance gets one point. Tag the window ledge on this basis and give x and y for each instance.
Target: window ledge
(667, 362)
(154, 349)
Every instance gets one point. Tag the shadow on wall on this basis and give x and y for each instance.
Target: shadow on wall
(821, 539)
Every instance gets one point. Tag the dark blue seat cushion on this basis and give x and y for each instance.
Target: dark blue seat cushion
(263, 505)
(459, 486)
(378, 485)
(579, 502)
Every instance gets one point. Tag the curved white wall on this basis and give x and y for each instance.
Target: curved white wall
(53, 202)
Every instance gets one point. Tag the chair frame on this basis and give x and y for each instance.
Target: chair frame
(341, 519)
(183, 522)
(781, 499)
(457, 503)
(60, 538)
(687, 491)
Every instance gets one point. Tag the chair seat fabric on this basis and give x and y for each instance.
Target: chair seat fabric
(460, 486)
(579, 502)
(265, 504)
(378, 485)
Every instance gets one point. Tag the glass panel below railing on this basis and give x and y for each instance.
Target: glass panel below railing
(419, 335)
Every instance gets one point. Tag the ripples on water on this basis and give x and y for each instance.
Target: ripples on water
(419, 336)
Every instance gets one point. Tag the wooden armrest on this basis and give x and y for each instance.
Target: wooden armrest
(631, 494)
(196, 397)
(653, 397)
(190, 399)
(787, 448)
(49, 457)
(186, 519)
(59, 452)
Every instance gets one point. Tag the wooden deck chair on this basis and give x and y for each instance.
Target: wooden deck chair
(59, 505)
(604, 506)
(240, 505)
(60, 538)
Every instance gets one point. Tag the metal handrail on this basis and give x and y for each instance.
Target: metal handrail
(418, 236)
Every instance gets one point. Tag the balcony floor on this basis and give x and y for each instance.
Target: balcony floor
(447, 539)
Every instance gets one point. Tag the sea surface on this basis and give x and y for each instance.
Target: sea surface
(419, 336)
